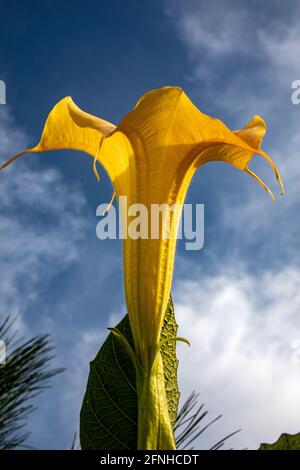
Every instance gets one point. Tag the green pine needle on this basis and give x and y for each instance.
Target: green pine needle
(25, 374)
(189, 424)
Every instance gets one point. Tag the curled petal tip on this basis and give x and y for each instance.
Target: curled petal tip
(95, 170)
(12, 159)
(282, 188)
(254, 175)
(109, 204)
(278, 177)
(277, 174)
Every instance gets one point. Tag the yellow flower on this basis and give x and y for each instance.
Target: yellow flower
(151, 157)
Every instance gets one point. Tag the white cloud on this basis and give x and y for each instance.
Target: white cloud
(243, 59)
(232, 30)
(42, 221)
(235, 48)
(244, 357)
(12, 138)
(243, 330)
(283, 47)
(214, 30)
(43, 231)
(243, 326)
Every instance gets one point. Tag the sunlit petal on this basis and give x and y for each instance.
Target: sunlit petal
(68, 127)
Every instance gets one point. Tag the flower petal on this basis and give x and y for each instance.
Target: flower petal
(253, 133)
(168, 126)
(240, 153)
(68, 127)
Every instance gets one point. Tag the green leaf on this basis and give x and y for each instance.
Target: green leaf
(108, 417)
(284, 442)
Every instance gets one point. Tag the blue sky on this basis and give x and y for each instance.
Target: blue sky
(238, 298)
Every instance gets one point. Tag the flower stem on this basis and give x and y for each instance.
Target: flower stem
(154, 427)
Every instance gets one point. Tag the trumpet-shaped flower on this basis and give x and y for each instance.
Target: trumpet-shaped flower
(151, 157)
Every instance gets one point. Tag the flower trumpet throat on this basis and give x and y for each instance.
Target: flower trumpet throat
(151, 157)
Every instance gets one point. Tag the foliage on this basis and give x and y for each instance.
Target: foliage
(284, 442)
(189, 424)
(108, 418)
(25, 374)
